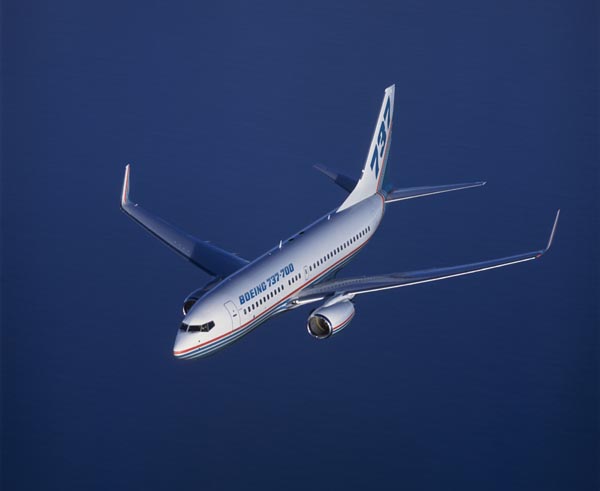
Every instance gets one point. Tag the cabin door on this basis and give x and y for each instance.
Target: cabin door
(233, 313)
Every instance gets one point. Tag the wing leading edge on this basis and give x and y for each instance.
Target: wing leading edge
(367, 284)
(208, 257)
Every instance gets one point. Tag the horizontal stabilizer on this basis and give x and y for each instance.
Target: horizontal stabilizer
(409, 193)
(341, 180)
(208, 257)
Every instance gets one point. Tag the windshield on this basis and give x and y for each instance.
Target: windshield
(201, 328)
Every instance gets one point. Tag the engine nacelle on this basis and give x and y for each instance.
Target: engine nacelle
(193, 297)
(330, 319)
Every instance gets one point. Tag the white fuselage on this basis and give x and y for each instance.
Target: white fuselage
(266, 286)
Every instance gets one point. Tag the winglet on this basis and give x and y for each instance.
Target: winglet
(551, 239)
(125, 192)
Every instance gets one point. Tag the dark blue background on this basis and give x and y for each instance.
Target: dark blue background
(484, 382)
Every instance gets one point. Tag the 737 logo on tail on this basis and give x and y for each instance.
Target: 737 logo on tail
(379, 150)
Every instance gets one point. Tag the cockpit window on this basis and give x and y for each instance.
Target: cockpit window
(201, 328)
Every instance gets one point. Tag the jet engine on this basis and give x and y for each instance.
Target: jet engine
(330, 318)
(193, 297)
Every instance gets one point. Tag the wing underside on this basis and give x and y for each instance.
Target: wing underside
(208, 257)
(367, 284)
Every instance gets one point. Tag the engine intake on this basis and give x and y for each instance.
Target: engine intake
(330, 319)
(193, 297)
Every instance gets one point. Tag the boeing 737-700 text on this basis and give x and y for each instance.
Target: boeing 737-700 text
(301, 270)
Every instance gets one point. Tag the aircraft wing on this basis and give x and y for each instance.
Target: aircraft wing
(367, 284)
(208, 257)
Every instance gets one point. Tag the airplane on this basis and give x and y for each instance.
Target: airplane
(301, 270)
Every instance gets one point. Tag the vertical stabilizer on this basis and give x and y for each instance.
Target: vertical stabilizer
(373, 172)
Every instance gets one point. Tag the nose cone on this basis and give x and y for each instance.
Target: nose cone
(184, 342)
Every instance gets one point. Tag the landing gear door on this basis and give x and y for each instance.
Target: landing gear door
(233, 313)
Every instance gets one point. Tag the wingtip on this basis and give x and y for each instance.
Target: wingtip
(125, 191)
(553, 232)
(551, 238)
